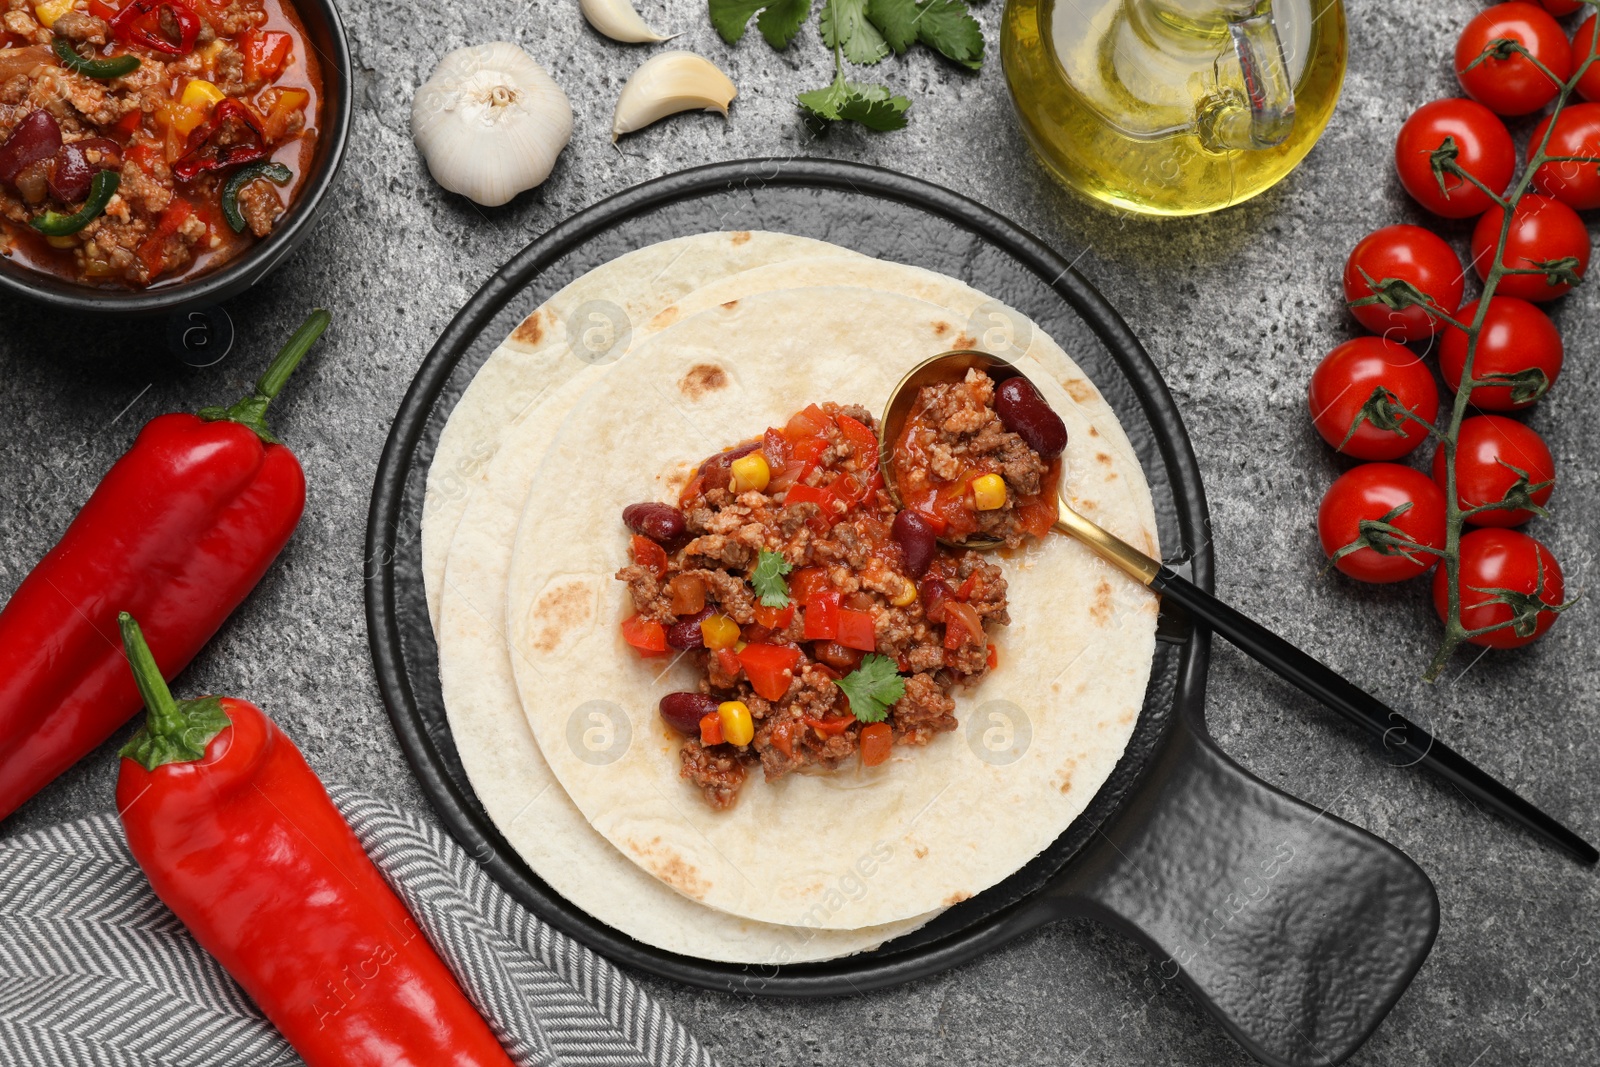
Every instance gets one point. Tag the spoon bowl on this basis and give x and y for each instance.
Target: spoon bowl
(1398, 735)
(952, 366)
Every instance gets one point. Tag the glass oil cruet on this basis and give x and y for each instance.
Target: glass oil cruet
(1173, 107)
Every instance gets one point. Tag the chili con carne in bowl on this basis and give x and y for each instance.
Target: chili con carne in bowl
(157, 155)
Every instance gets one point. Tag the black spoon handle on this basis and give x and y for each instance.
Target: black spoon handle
(1396, 732)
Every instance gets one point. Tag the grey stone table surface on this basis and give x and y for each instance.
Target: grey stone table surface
(1236, 308)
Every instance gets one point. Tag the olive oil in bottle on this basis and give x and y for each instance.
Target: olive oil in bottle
(1173, 107)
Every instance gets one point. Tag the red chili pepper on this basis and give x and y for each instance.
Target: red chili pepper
(139, 23)
(239, 838)
(180, 530)
(203, 154)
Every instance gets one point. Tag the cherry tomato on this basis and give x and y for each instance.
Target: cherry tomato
(1544, 232)
(1372, 493)
(1583, 46)
(1577, 133)
(1503, 560)
(1482, 146)
(1561, 8)
(1513, 85)
(1516, 338)
(1408, 254)
(1342, 392)
(1493, 455)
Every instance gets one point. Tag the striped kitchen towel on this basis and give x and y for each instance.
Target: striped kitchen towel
(94, 970)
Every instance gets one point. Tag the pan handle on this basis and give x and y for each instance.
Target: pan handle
(1296, 930)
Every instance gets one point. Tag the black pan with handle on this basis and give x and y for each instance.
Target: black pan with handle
(1296, 930)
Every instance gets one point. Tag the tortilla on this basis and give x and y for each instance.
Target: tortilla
(588, 324)
(853, 848)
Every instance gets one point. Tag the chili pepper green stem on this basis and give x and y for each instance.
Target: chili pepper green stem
(174, 731)
(251, 410)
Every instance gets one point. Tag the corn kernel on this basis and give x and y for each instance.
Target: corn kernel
(989, 492)
(201, 95)
(907, 594)
(62, 242)
(719, 631)
(51, 10)
(737, 726)
(751, 472)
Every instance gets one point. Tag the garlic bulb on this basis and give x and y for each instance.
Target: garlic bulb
(618, 20)
(666, 84)
(490, 122)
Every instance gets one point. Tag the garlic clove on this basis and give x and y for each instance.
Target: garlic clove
(666, 84)
(490, 122)
(618, 20)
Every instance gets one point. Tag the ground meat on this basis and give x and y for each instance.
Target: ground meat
(259, 203)
(955, 433)
(79, 26)
(718, 773)
(649, 594)
(229, 64)
(845, 549)
(148, 191)
(924, 711)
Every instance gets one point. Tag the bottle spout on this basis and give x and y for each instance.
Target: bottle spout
(1264, 116)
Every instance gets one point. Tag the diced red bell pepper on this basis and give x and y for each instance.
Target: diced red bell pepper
(830, 727)
(782, 736)
(962, 624)
(711, 729)
(809, 422)
(807, 451)
(646, 635)
(994, 658)
(807, 582)
(152, 251)
(856, 630)
(646, 553)
(861, 438)
(139, 23)
(774, 618)
(769, 667)
(933, 518)
(964, 590)
(728, 662)
(265, 53)
(102, 10)
(813, 494)
(822, 617)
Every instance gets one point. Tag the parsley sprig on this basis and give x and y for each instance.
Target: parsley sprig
(873, 687)
(863, 32)
(768, 579)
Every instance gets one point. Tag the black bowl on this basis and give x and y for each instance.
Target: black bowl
(325, 32)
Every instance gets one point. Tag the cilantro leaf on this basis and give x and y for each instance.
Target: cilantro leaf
(845, 26)
(947, 28)
(768, 580)
(872, 687)
(845, 101)
(779, 20)
(896, 20)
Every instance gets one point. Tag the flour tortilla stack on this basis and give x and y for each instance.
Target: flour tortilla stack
(797, 853)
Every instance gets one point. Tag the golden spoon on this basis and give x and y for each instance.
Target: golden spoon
(1308, 674)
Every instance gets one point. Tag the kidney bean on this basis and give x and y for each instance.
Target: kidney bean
(836, 655)
(1026, 414)
(718, 470)
(685, 633)
(915, 536)
(683, 711)
(36, 137)
(76, 165)
(662, 523)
